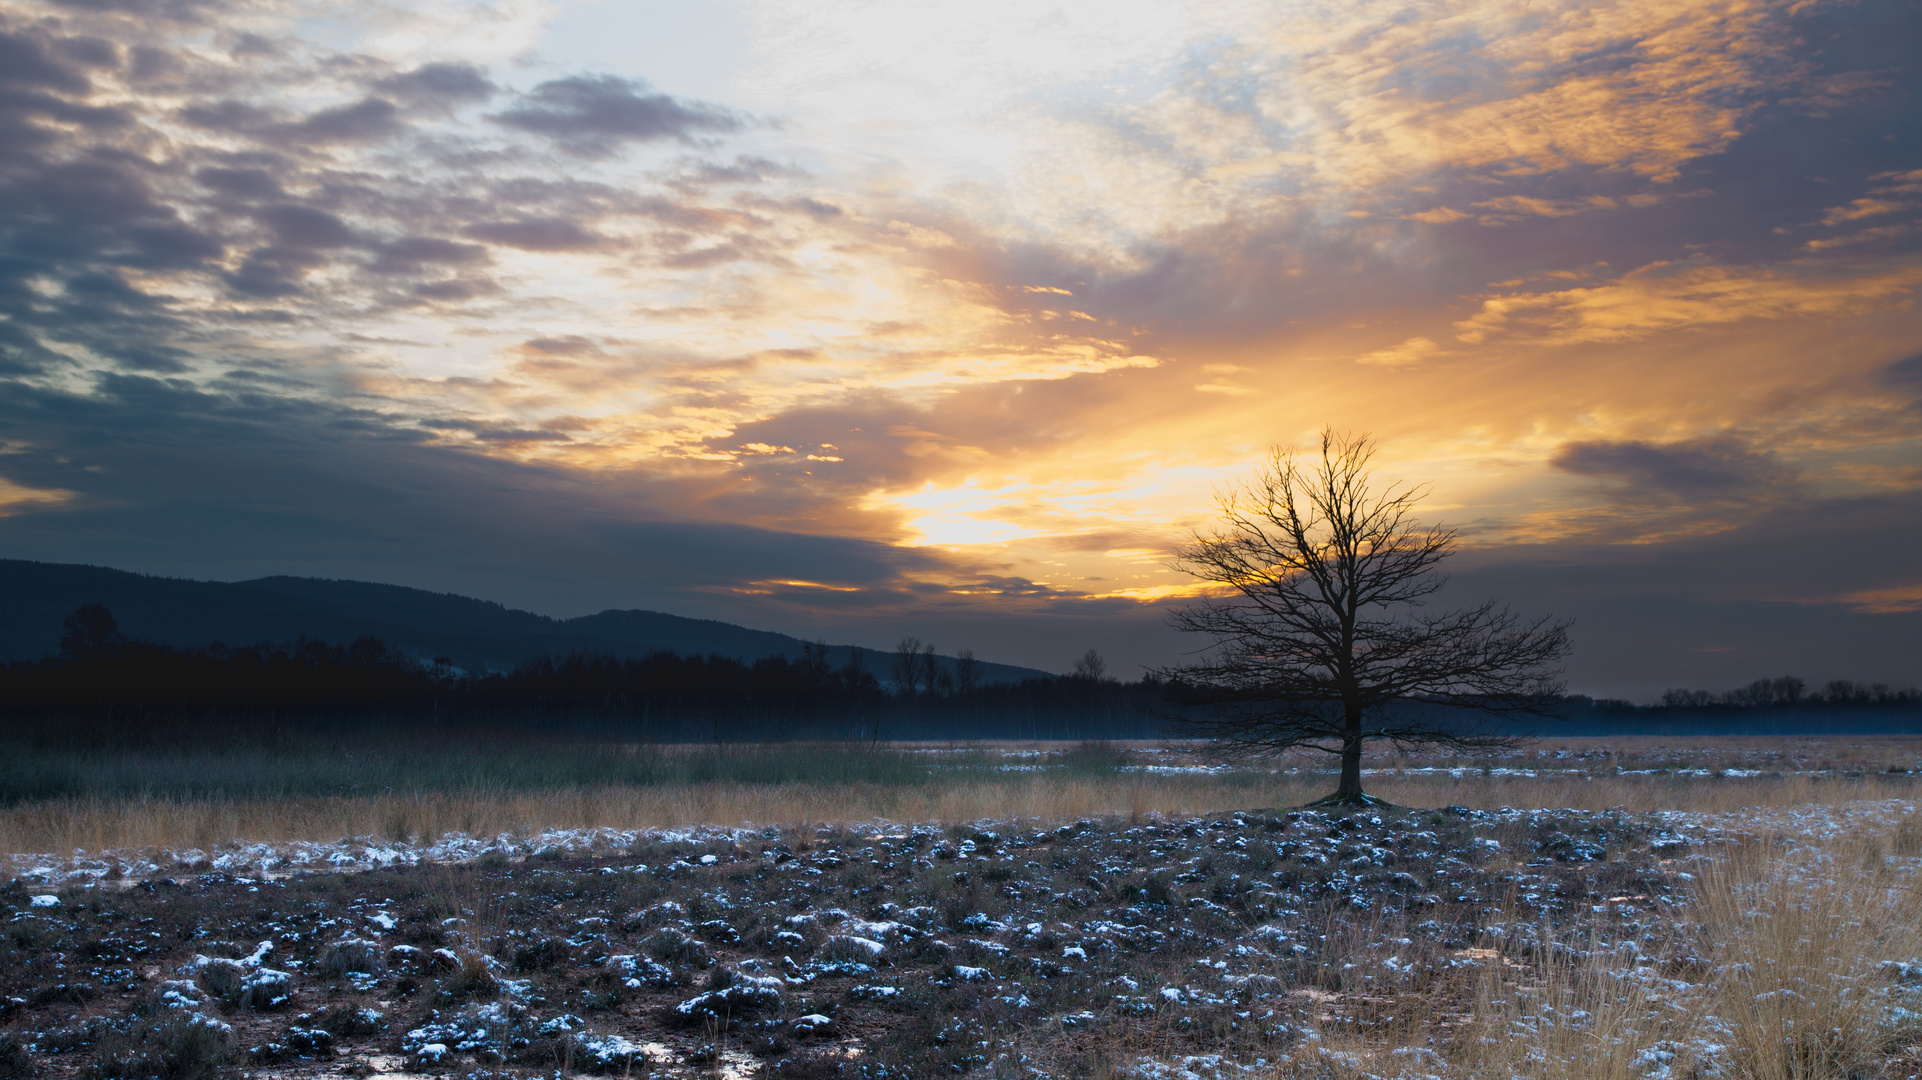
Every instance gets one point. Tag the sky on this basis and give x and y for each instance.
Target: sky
(857, 320)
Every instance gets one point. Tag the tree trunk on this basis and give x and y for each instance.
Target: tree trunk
(1349, 790)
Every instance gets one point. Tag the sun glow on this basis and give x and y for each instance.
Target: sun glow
(972, 300)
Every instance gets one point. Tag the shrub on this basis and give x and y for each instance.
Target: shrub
(673, 946)
(221, 978)
(351, 954)
(266, 989)
(847, 949)
(178, 1048)
(16, 1063)
(347, 1021)
(473, 977)
(545, 953)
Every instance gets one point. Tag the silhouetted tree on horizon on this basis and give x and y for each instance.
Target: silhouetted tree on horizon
(967, 672)
(907, 666)
(1090, 666)
(90, 633)
(1318, 629)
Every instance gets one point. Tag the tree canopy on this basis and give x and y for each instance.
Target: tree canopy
(1321, 633)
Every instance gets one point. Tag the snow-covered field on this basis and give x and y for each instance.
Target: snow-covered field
(1392, 944)
(1794, 827)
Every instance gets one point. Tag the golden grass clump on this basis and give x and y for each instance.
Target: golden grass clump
(105, 823)
(104, 803)
(1799, 945)
(1776, 967)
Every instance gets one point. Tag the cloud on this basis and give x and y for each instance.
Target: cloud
(362, 318)
(14, 498)
(370, 119)
(493, 433)
(535, 234)
(365, 120)
(1646, 613)
(365, 498)
(1664, 297)
(591, 114)
(568, 345)
(214, 219)
(410, 253)
(245, 183)
(1888, 600)
(1369, 109)
(1905, 374)
(443, 83)
(1859, 209)
(1510, 206)
(1412, 351)
(27, 60)
(1681, 471)
(300, 226)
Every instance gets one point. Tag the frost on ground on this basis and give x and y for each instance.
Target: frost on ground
(1237, 945)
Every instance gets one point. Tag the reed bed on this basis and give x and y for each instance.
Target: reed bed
(1778, 968)
(1780, 964)
(110, 822)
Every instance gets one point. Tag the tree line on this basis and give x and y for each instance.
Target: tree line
(101, 677)
(1789, 691)
(101, 674)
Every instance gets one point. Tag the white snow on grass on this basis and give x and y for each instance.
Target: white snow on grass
(1793, 826)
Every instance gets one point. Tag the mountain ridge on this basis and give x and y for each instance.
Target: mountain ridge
(475, 634)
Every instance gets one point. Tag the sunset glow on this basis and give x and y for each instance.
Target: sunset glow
(952, 318)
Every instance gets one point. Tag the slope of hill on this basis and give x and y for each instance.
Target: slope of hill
(475, 634)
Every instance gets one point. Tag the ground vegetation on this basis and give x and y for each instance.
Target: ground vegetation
(1448, 943)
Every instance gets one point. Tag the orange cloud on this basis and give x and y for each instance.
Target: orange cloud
(1245, 206)
(1885, 601)
(1664, 298)
(1861, 208)
(18, 498)
(1412, 351)
(1686, 75)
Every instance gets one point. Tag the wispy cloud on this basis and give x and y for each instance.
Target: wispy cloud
(971, 305)
(1666, 298)
(593, 114)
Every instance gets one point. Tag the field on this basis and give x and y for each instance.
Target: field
(1636, 908)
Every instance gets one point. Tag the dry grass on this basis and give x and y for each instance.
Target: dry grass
(1873, 752)
(107, 824)
(1798, 943)
(62, 825)
(1774, 970)
(1855, 770)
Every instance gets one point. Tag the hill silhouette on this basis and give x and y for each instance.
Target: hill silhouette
(478, 635)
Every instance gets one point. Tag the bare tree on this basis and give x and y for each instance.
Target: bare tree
(1320, 637)
(814, 662)
(916, 668)
(929, 668)
(967, 672)
(90, 633)
(1090, 667)
(907, 666)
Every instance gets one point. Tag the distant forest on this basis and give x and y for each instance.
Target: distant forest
(103, 680)
(1779, 706)
(148, 688)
